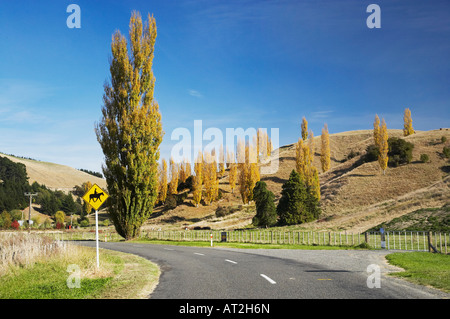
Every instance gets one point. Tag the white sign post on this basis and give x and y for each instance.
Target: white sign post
(96, 197)
(96, 237)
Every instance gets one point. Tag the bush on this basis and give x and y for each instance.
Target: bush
(222, 211)
(371, 154)
(446, 152)
(84, 223)
(424, 158)
(15, 225)
(443, 139)
(400, 151)
(171, 202)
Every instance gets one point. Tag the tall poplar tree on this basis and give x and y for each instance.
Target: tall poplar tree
(130, 130)
(376, 131)
(407, 120)
(383, 146)
(173, 185)
(198, 179)
(304, 129)
(325, 149)
(163, 181)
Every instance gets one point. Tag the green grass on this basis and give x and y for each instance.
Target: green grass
(423, 268)
(116, 278)
(246, 245)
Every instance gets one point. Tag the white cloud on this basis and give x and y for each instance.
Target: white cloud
(195, 93)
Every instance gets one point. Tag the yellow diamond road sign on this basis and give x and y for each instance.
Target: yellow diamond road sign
(95, 196)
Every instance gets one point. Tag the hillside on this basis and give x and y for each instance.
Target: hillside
(55, 176)
(354, 198)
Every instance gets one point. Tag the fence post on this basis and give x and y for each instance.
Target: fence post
(431, 248)
(366, 237)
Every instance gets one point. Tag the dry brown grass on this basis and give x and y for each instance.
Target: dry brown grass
(19, 249)
(55, 176)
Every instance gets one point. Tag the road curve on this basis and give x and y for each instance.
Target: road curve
(223, 273)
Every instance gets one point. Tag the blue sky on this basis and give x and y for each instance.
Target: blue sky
(228, 63)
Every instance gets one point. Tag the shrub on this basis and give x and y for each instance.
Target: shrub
(371, 154)
(15, 225)
(352, 154)
(424, 158)
(443, 139)
(5, 220)
(84, 223)
(171, 202)
(400, 151)
(446, 152)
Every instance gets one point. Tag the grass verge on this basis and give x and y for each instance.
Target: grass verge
(423, 268)
(246, 245)
(116, 277)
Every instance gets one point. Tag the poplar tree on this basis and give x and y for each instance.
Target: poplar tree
(325, 149)
(407, 120)
(173, 185)
(304, 129)
(376, 131)
(130, 130)
(383, 146)
(232, 171)
(210, 178)
(163, 181)
(198, 179)
(299, 160)
(242, 160)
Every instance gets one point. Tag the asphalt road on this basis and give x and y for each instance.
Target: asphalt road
(222, 273)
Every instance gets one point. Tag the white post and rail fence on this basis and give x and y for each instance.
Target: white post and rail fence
(391, 240)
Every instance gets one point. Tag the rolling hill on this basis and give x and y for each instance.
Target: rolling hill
(55, 176)
(355, 196)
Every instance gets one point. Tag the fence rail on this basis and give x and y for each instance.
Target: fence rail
(391, 240)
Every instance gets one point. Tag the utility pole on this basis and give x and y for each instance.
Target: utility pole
(31, 195)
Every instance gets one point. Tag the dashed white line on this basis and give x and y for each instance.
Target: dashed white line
(199, 254)
(230, 261)
(169, 249)
(268, 279)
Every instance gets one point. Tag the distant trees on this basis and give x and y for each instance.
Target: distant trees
(248, 170)
(13, 184)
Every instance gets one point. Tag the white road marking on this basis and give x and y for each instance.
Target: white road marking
(169, 249)
(230, 261)
(268, 279)
(199, 254)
